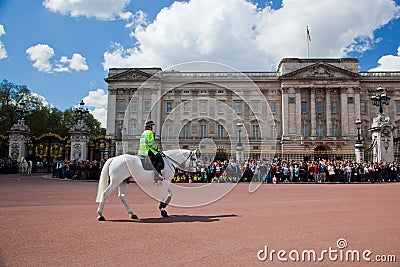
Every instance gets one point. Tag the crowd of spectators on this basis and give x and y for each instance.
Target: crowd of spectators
(231, 171)
(7, 165)
(78, 169)
(286, 171)
(63, 169)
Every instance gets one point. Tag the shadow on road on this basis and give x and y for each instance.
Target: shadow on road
(179, 218)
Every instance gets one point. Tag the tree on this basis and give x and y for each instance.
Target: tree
(42, 117)
(71, 118)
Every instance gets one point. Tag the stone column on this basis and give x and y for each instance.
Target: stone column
(285, 113)
(382, 134)
(20, 134)
(313, 114)
(344, 112)
(328, 110)
(298, 112)
(79, 141)
(357, 104)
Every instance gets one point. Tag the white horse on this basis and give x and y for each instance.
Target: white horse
(118, 170)
(26, 167)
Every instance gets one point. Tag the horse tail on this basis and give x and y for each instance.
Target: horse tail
(103, 182)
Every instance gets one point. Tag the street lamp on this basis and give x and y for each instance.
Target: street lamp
(81, 111)
(239, 147)
(22, 109)
(358, 125)
(239, 126)
(380, 98)
(358, 146)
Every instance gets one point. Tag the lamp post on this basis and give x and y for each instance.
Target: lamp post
(358, 125)
(380, 98)
(239, 126)
(22, 110)
(358, 146)
(239, 147)
(81, 111)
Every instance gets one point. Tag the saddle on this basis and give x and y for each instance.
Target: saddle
(146, 164)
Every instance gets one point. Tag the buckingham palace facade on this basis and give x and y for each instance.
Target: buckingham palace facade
(304, 110)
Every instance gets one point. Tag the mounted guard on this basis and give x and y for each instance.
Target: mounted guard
(148, 149)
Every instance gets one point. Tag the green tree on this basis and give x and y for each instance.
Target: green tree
(10, 95)
(71, 118)
(42, 118)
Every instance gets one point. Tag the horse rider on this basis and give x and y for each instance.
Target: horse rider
(149, 148)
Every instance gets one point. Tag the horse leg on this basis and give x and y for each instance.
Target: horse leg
(164, 198)
(111, 187)
(122, 196)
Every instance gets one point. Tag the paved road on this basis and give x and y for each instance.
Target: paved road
(50, 222)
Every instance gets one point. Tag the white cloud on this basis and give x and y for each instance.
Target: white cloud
(247, 37)
(3, 51)
(96, 101)
(388, 62)
(100, 9)
(41, 55)
(2, 31)
(77, 63)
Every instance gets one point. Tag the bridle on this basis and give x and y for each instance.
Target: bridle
(182, 165)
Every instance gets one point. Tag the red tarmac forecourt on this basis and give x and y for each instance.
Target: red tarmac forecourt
(52, 222)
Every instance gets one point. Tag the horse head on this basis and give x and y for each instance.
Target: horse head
(183, 158)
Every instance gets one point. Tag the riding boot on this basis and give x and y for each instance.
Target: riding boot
(158, 177)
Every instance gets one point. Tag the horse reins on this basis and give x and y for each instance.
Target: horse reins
(180, 165)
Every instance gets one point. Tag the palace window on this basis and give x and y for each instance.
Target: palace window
(272, 105)
(134, 130)
(335, 130)
(220, 131)
(319, 107)
(256, 131)
(121, 106)
(168, 131)
(255, 106)
(334, 107)
(169, 107)
(305, 130)
(203, 130)
(363, 108)
(303, 107)
(203, 107)
(273, 131)
(320, 130)
(134, 106)
(186, 106)
(146, 106)
(238, 107)
(185, 131)
(221, 107)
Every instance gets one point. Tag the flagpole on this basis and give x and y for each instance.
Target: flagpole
(308, 41)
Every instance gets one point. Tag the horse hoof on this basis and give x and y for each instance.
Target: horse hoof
(101, 218)
(162, 205)
(134, 217)
(164, 213)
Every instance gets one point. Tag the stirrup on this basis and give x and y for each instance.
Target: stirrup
(158, 178)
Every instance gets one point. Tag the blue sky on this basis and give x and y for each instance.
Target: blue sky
(62, 49)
